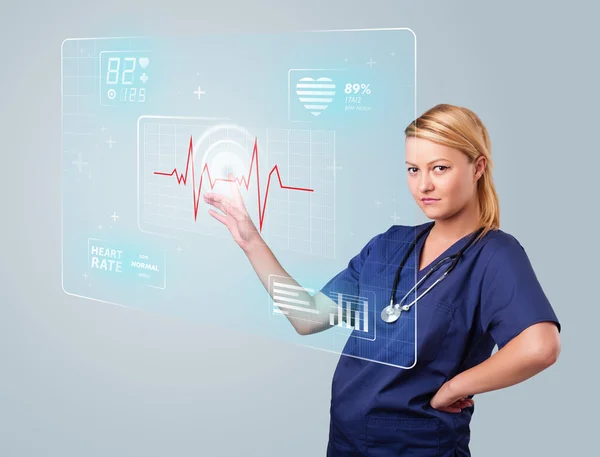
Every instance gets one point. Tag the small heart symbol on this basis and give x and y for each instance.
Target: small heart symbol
(144, 61)
(315, 95)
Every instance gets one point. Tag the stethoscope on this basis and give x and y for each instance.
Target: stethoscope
(392, 312)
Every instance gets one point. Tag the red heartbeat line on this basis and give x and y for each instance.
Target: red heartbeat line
(245, 180)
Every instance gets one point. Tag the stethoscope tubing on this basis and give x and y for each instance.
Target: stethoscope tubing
(391, 313)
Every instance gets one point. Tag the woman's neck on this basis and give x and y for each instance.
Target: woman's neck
(458, 226)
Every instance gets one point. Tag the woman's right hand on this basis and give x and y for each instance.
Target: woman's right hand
(262, 259)
(235, 217)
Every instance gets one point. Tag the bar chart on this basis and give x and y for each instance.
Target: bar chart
(350, 312)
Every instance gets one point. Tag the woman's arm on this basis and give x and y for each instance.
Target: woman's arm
(236, 219)
(532, 351)
(266, 264)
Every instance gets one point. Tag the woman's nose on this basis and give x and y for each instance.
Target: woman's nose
(425, 183)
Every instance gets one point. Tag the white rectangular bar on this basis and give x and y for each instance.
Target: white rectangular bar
(291, 300)
(290, 286)
(331, 319)
(340, 307)
(285, 292)
(299, 308)
(357, 319)
(366, 314)
(348, 311)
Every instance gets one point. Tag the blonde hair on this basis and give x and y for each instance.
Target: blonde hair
(461, 128)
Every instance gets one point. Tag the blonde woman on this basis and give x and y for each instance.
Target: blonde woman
(490, 296)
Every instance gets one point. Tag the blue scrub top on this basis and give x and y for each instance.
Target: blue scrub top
(380, 410)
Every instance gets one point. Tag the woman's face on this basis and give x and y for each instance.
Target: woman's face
(443, 174)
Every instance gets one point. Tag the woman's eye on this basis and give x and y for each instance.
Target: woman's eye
(412, 169)
(441, 167)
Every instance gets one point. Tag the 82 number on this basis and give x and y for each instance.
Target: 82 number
(114, 63)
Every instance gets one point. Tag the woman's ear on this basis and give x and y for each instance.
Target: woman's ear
(480, 165)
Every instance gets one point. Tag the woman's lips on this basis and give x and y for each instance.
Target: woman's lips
(429, 201)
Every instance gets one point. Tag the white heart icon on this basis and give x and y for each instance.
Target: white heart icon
(315, 95)
(144, 61)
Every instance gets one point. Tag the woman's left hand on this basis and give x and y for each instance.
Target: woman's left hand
(451, 402)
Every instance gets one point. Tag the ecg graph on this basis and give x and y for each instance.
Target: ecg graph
(182, 178)
(286, 180)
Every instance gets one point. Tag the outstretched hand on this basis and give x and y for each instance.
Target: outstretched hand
(235, 216)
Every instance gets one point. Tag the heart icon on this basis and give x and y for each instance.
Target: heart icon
(144, 61)
(315, 95)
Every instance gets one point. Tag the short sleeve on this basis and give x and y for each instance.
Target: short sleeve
(512, 298)
(347, 280)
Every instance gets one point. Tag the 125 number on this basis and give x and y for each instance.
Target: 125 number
(133, 95)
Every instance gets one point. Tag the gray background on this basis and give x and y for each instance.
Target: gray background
(81, 378)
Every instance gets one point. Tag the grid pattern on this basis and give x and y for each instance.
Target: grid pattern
(307, 220)
(295, 220)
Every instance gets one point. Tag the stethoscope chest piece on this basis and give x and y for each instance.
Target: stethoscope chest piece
(390, 314)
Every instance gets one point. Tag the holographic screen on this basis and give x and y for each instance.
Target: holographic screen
(307, 125)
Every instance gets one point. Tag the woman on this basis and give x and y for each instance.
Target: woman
(491, 297)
